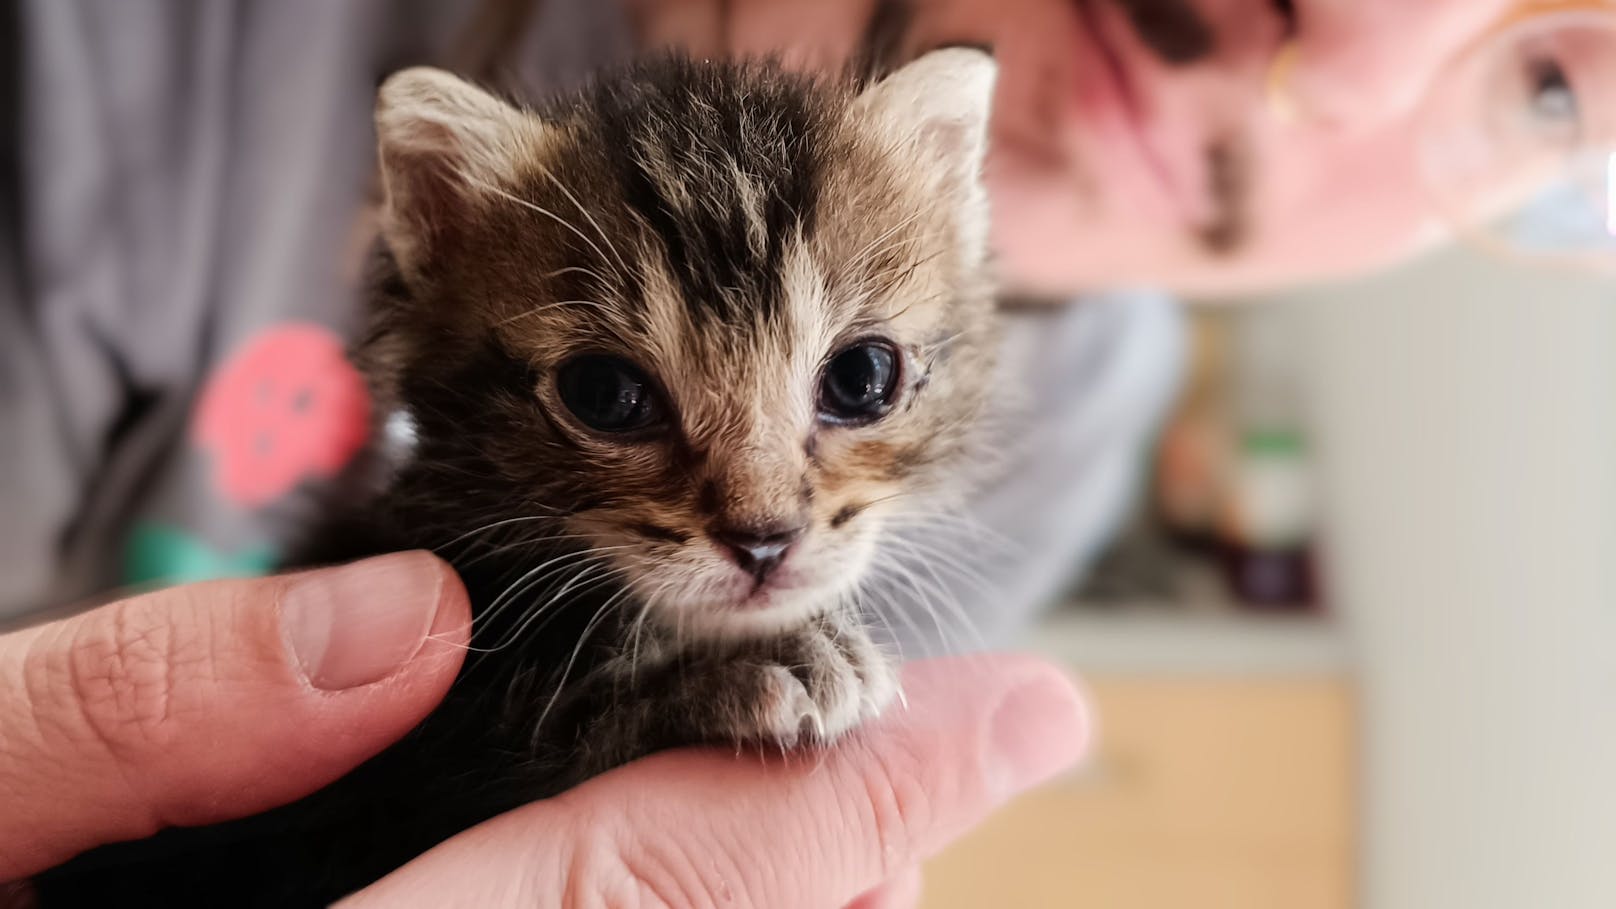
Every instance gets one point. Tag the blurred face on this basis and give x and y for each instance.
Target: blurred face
(1136, 141)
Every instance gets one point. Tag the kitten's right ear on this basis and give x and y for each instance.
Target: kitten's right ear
(939, 105)
(937, 111)
(445, 148)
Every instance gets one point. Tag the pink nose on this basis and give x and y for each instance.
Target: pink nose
(758, 550)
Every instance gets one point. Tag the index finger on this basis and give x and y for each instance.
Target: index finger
(696, 827)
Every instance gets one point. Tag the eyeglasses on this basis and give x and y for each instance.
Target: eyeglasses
(1517, 138)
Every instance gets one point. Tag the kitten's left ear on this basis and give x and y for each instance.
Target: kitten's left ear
(938, 106)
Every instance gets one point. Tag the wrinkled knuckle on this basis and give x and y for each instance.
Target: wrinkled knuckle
(603, 868)
(899, 805)
(121, 676)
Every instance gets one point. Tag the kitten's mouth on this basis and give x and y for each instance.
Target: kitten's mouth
(759, 592)
(764, 594)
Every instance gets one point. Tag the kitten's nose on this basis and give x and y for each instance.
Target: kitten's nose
(758, 550)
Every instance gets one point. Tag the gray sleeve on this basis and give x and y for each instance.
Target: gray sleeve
(1095, 379)
(194, 174)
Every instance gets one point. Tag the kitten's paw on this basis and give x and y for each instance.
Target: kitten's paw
(821, 685)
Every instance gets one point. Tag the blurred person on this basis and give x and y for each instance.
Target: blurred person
(183, 189)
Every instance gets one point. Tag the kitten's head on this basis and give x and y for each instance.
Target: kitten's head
(721, 321)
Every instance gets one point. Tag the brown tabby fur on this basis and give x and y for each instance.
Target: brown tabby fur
(728, 228)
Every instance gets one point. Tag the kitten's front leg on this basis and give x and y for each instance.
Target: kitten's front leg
(806, 686)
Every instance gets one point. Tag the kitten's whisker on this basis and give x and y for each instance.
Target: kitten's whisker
(548, 610)
(506, 641)
(545, 601)
(881, 616)
(594, 585)
(557, 578)
(949, 514)
(957, 562)
(860, 257)
(558, 304)
(498, 191)
(545, 541)
(493, 526)
(520, 586)
(917, 591)
(583, 639)
(604, 238)
(511, 636)
(936, 347)
(534, 577)
(884, 279)
(895, 607)
(895, 276)
(635, 632)
(579, 269)
(946, 598)
(925, 591)
(965, 535)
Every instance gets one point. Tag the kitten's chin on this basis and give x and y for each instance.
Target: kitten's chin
(750, 614)
(763, 615)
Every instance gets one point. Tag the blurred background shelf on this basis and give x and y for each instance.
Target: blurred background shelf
(1168, 639)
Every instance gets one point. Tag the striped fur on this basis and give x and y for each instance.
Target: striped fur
(727, 227)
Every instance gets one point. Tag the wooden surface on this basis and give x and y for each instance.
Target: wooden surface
(1211, 793)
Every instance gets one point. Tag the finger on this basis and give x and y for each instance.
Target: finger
(695, 827)
(212, 701)
(901, 892)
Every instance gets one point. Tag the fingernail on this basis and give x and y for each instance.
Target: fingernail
(358, 624)
(1040, 729)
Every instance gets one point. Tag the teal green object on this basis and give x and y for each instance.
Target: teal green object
(158, 555)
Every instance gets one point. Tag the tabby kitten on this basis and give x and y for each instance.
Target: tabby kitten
(668, 356)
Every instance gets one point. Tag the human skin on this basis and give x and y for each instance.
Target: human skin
(212, 701)
(1170, 167)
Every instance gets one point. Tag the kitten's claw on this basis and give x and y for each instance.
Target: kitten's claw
(807, 687)
(836, 680)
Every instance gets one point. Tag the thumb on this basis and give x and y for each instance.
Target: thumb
(696, 827)
(212, 701)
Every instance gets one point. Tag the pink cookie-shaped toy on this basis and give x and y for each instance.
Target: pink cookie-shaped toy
(285, 408)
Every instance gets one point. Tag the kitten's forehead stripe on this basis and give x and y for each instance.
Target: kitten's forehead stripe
(723, 173)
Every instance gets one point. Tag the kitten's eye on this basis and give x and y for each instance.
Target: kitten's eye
(860, 383)
(608, 394)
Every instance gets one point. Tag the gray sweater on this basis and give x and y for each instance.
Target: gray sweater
(179, 188)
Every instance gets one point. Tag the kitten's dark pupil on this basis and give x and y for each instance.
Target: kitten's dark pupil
(606, 393)
(859, 382)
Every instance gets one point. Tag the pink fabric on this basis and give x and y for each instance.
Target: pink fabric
(285, 408)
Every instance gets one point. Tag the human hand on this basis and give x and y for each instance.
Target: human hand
(210, 702)
(701, 827)
(214, 701)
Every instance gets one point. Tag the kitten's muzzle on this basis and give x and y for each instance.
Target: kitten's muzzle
(758, 551)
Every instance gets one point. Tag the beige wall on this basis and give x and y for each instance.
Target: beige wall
(1469, 436)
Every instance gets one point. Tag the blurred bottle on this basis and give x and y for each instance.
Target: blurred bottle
(1268, 517)
(1234, 471)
